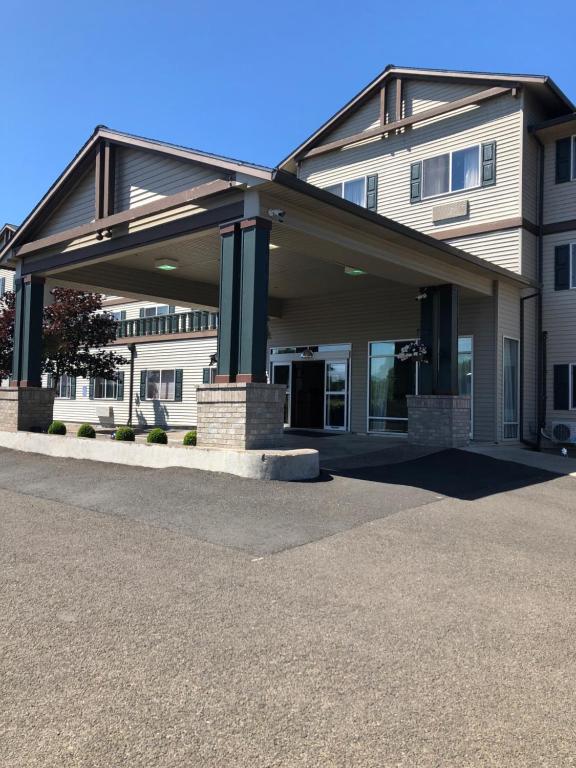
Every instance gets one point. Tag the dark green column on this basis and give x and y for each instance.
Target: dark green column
(228, 323)
(439, 332)
(27, 356)
(254, 300)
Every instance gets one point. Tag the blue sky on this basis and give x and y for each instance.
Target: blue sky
(249, 79)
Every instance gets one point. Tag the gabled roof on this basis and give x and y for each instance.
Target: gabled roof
(78, 166)
(546, 87)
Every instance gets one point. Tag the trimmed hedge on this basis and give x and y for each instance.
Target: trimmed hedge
(190, 437)
(57, 428)
(125, 434)
(157, 436)
(86, 430)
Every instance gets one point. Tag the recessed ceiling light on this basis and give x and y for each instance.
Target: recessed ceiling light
(354, 271)
(166, 265)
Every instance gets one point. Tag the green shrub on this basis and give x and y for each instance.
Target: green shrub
(190, 438)
(86, 430)
(57, 428)
(157, 436)
(125, 434)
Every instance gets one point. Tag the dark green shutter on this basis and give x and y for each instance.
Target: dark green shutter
(92, 382)
(171, 310)
(489, 164)
(562, 268)
(120, 386)
(372, 193)
(142, 312)
(563, 160)
(206, 375)
(178, 385)
(123, 315)
(50, 381)
(73, 388)
(561, 387)
(143, 375)
(416, 182)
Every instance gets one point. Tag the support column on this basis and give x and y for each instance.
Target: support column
(254, 300)
(439, 332)
(27, 356)
(229, 322)
(438, 416)
(26, 405)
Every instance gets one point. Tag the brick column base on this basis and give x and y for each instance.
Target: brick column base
(29, 409)
(240, 415)
(439, 420)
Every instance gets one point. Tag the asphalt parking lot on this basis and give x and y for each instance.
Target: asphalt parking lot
(410, 614)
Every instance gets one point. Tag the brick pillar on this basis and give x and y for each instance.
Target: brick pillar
(240, 415)
(439, 420)
(29, 409)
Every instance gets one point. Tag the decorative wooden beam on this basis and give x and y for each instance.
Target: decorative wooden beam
(109, 179)
(399, 88)
(405, 122)
(383, 105)
(124, 217)
(99, 182)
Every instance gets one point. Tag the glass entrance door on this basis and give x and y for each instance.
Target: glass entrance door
(336, 395)
(390, 381)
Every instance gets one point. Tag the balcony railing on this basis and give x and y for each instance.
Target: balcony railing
(161, 325)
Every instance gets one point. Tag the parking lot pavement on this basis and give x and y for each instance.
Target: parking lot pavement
(438, 632)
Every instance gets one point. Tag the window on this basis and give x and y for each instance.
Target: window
(354, 190)
(160, 385)
(209, 375)
(389, 381)
(511, 388)
(162, 309)
(65, 387)
(566, 160)
(451, 172)
(119, 315)
(105, 389)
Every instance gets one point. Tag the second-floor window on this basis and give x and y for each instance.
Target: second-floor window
(162, 309)
(353, 190)
(566, 159)
(451, 172)
(565, 267)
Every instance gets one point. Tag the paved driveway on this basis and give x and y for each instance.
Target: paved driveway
(412, 614)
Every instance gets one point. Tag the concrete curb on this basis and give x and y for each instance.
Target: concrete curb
(301, 464)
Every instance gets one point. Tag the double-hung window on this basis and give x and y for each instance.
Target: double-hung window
(105, 389)
(64, 388)
(161, 385)
(451, 172)
(353, 191)
(162, 309)
(566, 160)
(565, 267)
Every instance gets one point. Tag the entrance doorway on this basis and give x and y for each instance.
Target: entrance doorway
(308, 394)
(317, 385)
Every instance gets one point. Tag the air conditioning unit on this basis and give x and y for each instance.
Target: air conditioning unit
(564, 431)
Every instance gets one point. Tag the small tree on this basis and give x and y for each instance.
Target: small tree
(75, 332)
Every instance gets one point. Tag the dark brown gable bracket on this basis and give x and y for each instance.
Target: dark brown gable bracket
(405, 122)
(105, 179)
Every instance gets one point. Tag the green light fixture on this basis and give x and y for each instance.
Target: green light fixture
(166, 265)
(354, 271)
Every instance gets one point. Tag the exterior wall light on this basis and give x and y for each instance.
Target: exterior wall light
(307, 354)
(354, 271)
(166, 265)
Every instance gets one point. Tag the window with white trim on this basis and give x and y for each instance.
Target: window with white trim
(105, 389)
(161, 309)
(161, 384)
(451, 172)
(354, 190)
(119, 315)
(65, 386)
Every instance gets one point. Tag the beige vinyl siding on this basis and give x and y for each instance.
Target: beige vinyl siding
(508, 317)
(499, 120)
(502, 248)
(8, 275)
(559, 199)
(77, 209)
(421, 95)
(386, 311)
(365, 117)
(191, 355)
(529, 251)
(142, 177)
(533, 113)
(558, 320)
(133, 310)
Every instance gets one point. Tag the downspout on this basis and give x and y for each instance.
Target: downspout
(541, 366)
(132, 350)
(521, 414)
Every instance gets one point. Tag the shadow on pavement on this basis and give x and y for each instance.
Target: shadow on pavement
(453, 473)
